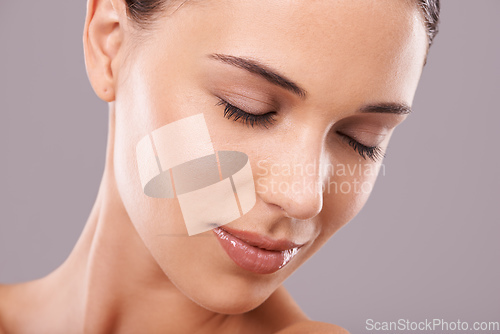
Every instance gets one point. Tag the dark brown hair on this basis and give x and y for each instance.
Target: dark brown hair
(431, 10)
(144, 11)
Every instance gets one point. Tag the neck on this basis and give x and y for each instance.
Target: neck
(114, 282)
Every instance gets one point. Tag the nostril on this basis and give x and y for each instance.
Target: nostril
(285, 213)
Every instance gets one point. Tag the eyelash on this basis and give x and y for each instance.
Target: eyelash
(373, 153)
(235, 113)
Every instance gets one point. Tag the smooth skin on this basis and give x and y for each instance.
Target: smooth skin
(134, 269)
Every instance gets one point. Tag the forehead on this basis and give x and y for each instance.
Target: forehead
(325, 45)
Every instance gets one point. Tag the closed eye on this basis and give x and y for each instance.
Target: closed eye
(374, 153)
(236, 114)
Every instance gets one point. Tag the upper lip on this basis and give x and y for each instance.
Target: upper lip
(260, 241)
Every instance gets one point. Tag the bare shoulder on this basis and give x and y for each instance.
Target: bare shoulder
(7, 293)
(313, 327)
(24, 307)
(14, 301)
(3, 300)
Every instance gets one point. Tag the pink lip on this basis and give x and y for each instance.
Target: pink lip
(254, 252)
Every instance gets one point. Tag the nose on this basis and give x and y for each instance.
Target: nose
(292, 179)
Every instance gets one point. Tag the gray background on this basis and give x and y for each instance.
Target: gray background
(425, 246)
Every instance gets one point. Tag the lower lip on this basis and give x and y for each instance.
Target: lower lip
(251, 258)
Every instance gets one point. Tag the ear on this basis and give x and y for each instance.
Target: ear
(102, 40)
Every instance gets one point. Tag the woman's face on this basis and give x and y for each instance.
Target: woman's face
(354, 65)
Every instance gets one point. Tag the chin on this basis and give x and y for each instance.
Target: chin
(230, 300)
(202, 271)
(226, 290)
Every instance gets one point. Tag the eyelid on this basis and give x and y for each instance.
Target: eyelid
(235, 113)
(374, 153)
(371, 123)
(244, 108)
(245, 101)
(373, 137)
(368, 134)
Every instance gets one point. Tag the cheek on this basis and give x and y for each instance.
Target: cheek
(346, 191)
(146, 101)
(149, 215)
(140, 109)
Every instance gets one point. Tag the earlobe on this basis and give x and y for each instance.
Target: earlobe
(102, 40)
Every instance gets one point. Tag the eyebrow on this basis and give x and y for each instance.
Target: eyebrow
(390, 108)
(255, 67)
(262, 70)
